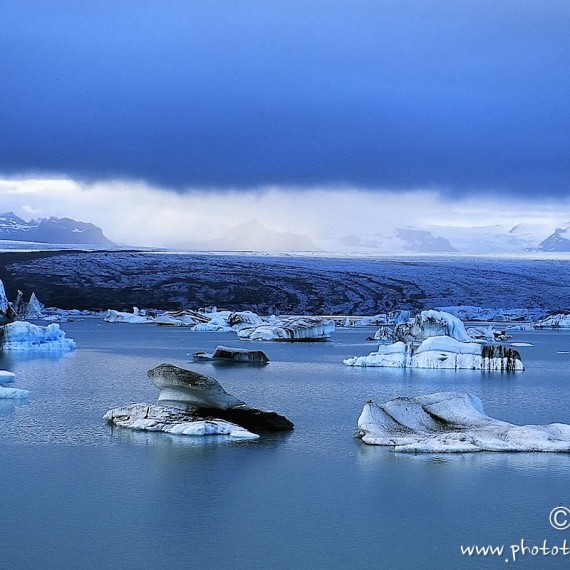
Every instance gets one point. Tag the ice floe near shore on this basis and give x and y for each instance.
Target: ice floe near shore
(452, 422)
(23, 336)
(436, 339)
(190, 403)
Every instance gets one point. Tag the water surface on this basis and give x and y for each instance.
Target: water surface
(79, 494)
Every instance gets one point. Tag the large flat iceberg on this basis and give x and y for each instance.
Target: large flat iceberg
(452, 422)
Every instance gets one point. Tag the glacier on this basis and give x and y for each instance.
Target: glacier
(452, 422)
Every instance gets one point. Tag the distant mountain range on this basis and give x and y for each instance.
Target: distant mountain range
(469, 240)
(51, 230)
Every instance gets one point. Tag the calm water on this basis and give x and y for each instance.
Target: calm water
(78, 494)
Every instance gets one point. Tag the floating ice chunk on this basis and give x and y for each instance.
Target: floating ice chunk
(135, 317)
(441, 352)
(178, 320)
(560, 321)
(218, 323)
(23, 336)
(291, 329)
(148, 417)
(33, 308)
(236, 355)
(521, 344)
(187, 403)
(439, 323)
(13, 393)
(471, 313)
(390, 356)
(452, 422)
(4, 303)
(6, 376)
(243, 319)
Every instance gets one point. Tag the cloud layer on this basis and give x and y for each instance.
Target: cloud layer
(283, 218)
(466, 97)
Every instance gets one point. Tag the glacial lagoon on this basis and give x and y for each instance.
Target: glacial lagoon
(79, 494)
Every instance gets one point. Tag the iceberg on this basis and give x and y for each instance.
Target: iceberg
(32, 309)
(244, 319)
(234, 355)
(23, 336)
(290, 329)
(441, 352)
(6, 376)
(147, 417)
(560, 321)
(452, 422)
(432, 323)
(13, 393)
(436, 339)
(190, 403)
(135, 317)
(10, 393)
(218, 323)
(178, 319)
(471, 313)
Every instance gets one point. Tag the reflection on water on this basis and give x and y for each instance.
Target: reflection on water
(375, 457)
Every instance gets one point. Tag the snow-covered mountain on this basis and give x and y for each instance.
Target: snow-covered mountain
(50, 230)
(558, 241)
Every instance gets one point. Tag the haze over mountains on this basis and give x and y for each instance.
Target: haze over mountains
(255, 235)
(500, 238)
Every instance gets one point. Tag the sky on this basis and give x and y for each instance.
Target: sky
(248, 102)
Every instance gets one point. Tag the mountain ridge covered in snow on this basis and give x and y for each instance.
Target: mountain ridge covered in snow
(51, 230)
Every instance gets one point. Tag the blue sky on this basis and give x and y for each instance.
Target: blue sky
(465, 97)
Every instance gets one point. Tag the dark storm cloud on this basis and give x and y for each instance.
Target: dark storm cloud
(464, 95)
